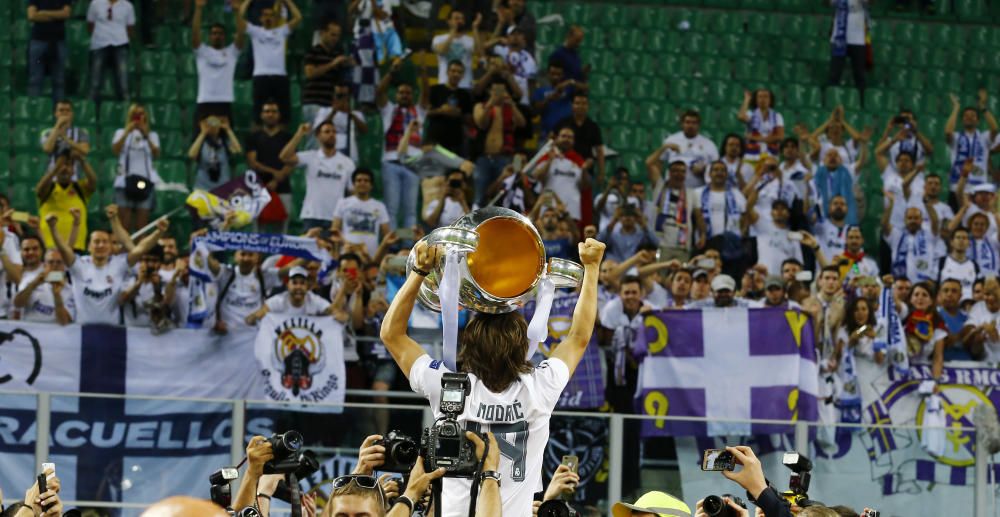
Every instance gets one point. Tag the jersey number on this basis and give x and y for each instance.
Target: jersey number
(516, 451)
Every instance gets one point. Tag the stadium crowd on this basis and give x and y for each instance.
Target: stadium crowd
(767, 218)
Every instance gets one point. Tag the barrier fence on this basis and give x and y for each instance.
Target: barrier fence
(161, 446)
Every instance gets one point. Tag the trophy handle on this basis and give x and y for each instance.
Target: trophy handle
(454, 239)
(565, 273)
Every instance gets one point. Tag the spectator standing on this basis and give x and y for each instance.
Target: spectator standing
(270, 76)
(984, 249)
(521, 62)
(327, 173)
(831, 232)
(347, 122)
(456, 45)
(739, 171)
(214, 151)
(399, 183)
(765, 126)
(957, 265)
(627, 234)
(451, 204)
(718, 208)
(449, 109)
(561, 171)
(514, 14)
(216, 64)
(796, 168)
(145, 290)
(243, 288)
(40, 297)
(111, 24)
(980, 331)
(847, 39)
(298, 300)
(767, 186)
(723, 295)
(775, 242)
(136, 145)
(831, 135)
(59, 194)
(970, 144)
(99, 277)
(497, 117)
(11, 265)
(325, 67)
(264, 147)
(554, 102)
(924, 328)
(615, 193)
(47, 46)
(907, 138)
(621, 320)
(587, 141)
(914, 250)
(983, 199)
(857, 264)
(834, 178)
(359, 218)
(945, 215)
(568, 55)
(63, 135)
(671, 209)
(690, 145)
(950, 300)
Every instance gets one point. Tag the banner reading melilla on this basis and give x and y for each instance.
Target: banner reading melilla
(301, 358)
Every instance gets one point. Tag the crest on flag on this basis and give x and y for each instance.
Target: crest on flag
(301, 358)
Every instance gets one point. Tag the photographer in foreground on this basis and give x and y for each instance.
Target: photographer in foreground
(751, 478)
(259, 452)
(506, 393)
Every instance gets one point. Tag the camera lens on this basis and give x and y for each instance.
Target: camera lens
(556, 508)
(404, 452)
(713, 506)
(286, 443)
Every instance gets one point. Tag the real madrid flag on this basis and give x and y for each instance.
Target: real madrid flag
(301, 358)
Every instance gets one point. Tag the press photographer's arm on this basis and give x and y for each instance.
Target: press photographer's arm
(393, 333)
(258, 453)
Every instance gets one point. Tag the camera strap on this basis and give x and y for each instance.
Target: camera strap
(474, 491)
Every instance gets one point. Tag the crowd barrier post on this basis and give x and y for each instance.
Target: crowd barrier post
(43, 427)
(616, 435)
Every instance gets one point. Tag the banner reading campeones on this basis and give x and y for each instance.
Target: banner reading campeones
(735, 364)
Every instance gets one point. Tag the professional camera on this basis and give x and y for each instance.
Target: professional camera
(288, 456)
(401, 452)
(221, 491)
(715, 506)
(798, 482)
(556, 508)
(444, 444)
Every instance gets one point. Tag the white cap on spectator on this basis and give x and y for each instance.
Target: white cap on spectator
(297, 271)
(722, 282)
(984, 187)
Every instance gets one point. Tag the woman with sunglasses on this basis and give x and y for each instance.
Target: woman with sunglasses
(508, 393)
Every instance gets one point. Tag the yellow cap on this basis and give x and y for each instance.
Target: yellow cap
(660, 503)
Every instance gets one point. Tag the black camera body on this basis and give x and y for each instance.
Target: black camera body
(556, 508)
(444, 445)
(289, 458)
(401, 452)
(715, 506)
(221, 491)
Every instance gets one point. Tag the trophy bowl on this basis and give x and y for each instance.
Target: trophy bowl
(504, 261)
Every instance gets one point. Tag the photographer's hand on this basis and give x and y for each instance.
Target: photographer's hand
(419, 482)
(370, 456)
(258, 453)
(390, 487)
(751, 476)
(564, 481)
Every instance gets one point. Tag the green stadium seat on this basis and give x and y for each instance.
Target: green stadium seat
(972, 10)
(112, 113)
(28, 168)
(712, 68)
(674, 65)
(626, 39)
(20, 30)
(630, 64)
(607, 15)
(32, 109)
(25, 138)
(611, 111)
(732, 45)
(158, 89)
(808, 27)
(658, 42)
(577, 13)
(693, 43)
(173, 171)
(158, 63)
(607, 86)
(942, 80)
(186, 65)
(76, 34)
(656, 19)
(166, 116)
(653, 114)
(646, 88)
(5, 134)
(625, 138)
(173, 145)
(22, 196)
(242, 92)
(695, 20)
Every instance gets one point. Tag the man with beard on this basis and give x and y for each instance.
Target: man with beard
(670, 213)
(914, 249)
(980, 331)
(298, 300)
(853, 262)
(691, 147)
(945, 215)
(40, 296)
(957, 265)
(831, 232)
(328, 172)
(626, 234)
(263, 150)
(723, 295)
(561, 171)
(557, 243)
(950, 308)
(169, 265)
(775, 294)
